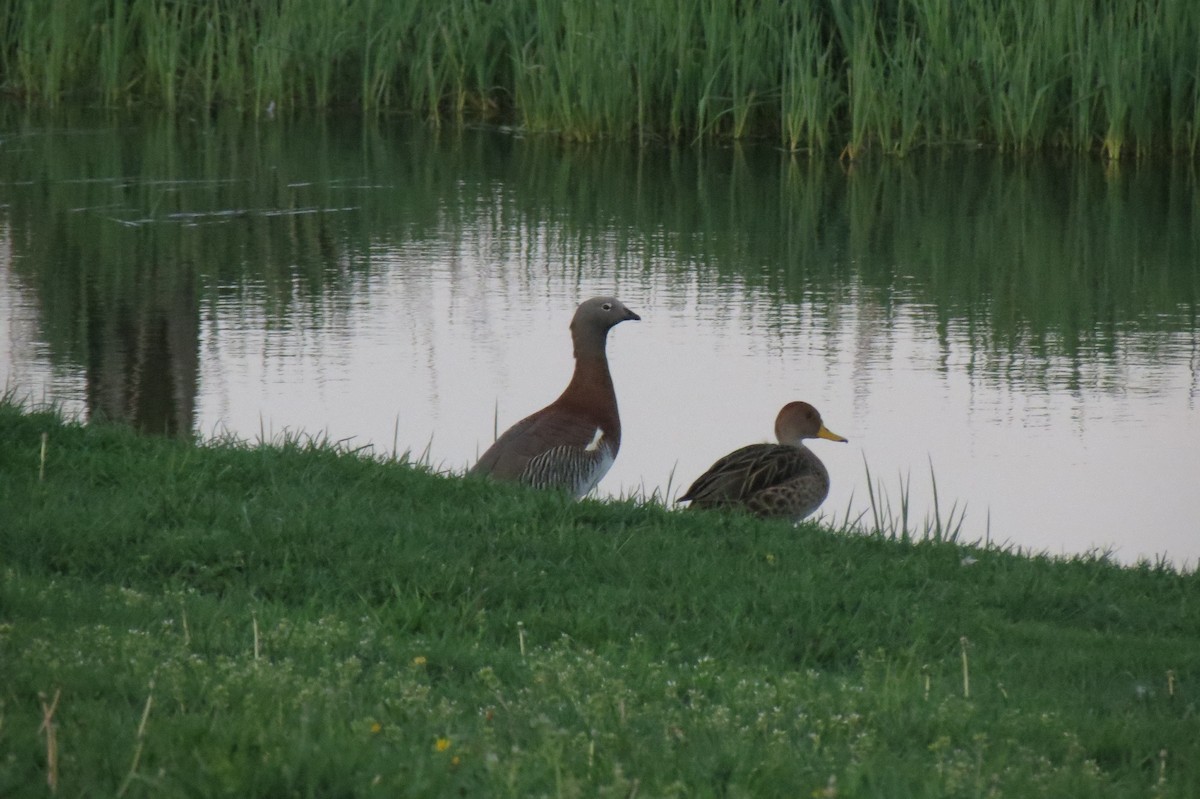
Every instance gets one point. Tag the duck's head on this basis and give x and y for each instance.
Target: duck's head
(799, 420)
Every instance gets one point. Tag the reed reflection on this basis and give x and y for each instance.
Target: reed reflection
(1029, 260)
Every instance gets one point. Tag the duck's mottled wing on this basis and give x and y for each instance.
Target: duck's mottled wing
(793, 499)
(741, 474)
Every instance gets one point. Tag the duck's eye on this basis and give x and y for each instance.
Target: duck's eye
(607, 306)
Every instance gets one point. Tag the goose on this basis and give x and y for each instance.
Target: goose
(572, 442)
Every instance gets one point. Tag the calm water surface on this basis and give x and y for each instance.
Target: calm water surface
(1027, 329)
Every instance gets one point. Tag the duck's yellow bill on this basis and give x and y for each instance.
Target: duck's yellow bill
(825, 432)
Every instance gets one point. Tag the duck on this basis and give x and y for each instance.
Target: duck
(571, 443)
(785, 480)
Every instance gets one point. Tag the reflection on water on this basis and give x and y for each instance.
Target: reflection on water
(1028, 328)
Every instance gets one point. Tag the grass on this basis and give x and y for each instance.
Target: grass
(1114, 77)
(296, 619)
(893, 518)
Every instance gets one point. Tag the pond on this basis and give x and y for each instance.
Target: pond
(1017, 334)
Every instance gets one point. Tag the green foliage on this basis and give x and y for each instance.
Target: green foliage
(294, 619)
(893, 75)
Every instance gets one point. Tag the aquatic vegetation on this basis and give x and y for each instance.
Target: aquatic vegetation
(1118, 78)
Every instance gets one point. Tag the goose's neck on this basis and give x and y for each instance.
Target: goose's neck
(591, 382)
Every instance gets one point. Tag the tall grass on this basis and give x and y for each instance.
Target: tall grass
(1020, 65)
(809, 93)
(1120, 78)
(893, 519)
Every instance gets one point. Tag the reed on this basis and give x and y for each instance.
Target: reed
(113, 69)
(1022, 76)
(862, 72)
(950, 66)
(1178, 62)
(572, 74)
(900, 121)
(809, 94)
(164, 29)
(894, 75)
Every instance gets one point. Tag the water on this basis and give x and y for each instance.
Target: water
(1027, 330)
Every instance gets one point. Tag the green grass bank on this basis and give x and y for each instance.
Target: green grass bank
(1117, 76)
(295, 620)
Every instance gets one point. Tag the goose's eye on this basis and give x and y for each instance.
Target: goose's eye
(607, 306)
